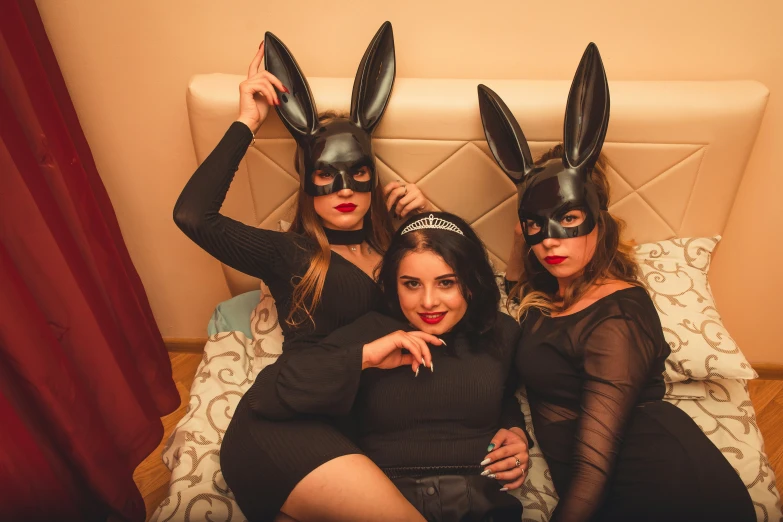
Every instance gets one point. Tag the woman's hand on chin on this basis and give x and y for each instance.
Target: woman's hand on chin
(400, 349)
(405, 199)
(507, 459)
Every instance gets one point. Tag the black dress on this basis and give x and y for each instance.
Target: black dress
(262, 461)
(413, 427)
(616, 450)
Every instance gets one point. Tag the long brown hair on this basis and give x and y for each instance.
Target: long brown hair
(377, 222)
(613, 258)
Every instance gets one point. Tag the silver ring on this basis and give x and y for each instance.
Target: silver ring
(405, 186)
(518, 463)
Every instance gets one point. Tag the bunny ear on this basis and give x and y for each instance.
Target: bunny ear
(297, 109)
(504, 136)
(587, 111)
(374, 80)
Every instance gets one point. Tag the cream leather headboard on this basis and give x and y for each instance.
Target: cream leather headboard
(676, 150)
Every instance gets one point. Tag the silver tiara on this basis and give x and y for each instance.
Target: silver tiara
(431, 222)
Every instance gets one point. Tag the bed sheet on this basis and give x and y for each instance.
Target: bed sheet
(231, 361)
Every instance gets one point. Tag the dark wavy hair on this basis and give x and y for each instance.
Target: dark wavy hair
(465, 254)
(612, 259)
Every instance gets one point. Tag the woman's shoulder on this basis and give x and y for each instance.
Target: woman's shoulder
(625, 301)
(367, 327)
(507, 332)
(382, 321)
(506, 323)
(630, 310)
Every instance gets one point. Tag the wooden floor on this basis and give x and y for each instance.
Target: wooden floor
(152, 477)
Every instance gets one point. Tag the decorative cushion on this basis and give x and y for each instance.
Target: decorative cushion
(266, 331)
(675, 275)
(233, 315)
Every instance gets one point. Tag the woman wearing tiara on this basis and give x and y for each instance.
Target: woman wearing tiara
(451, 440)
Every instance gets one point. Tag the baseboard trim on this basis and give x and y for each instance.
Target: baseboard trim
(185, 345)
(769, 371)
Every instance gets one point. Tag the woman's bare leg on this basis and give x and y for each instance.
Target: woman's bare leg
(345, 489)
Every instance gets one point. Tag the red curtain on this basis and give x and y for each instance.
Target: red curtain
(84, 374)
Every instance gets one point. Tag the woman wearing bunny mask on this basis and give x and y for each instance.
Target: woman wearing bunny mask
(592, 351)
(319, 271)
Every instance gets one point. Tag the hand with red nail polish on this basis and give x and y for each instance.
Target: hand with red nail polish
(257, 93)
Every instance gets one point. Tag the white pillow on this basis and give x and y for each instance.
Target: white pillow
(675, 274)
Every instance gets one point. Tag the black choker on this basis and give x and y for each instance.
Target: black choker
(345, 237)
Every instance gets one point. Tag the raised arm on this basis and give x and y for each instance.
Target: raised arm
(618, 359)
(260, 253)
(254, 251)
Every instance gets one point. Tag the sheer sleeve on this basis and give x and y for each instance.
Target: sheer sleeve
(254, 251)
(618, 358)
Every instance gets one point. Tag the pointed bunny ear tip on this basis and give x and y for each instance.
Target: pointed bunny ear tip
(385, 32)
(592, 51)
(504, 136)
(269, 36)
(485, 93)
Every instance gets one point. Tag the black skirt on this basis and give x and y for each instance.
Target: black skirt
(459, 498)
(262, 461)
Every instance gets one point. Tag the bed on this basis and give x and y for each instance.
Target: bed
(677, 152)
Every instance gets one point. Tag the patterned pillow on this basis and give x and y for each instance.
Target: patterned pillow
(267, 334)
(675, 274)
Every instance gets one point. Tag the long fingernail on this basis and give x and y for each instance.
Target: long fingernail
(442, 341)
(504, 489)
(491, 447)
(285, 89)
(491, 476)
(432, 367)
(417, 372)
(486, 472)
(485, 462)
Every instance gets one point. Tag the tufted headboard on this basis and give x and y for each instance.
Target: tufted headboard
(676, 151)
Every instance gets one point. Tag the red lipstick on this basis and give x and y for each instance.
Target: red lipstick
(554, 260)
(346, 207)
(432, 318)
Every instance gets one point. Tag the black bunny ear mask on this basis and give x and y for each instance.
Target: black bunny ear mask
(343, 146)
(547, 192)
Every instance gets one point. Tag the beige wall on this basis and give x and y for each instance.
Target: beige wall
(127, 66)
